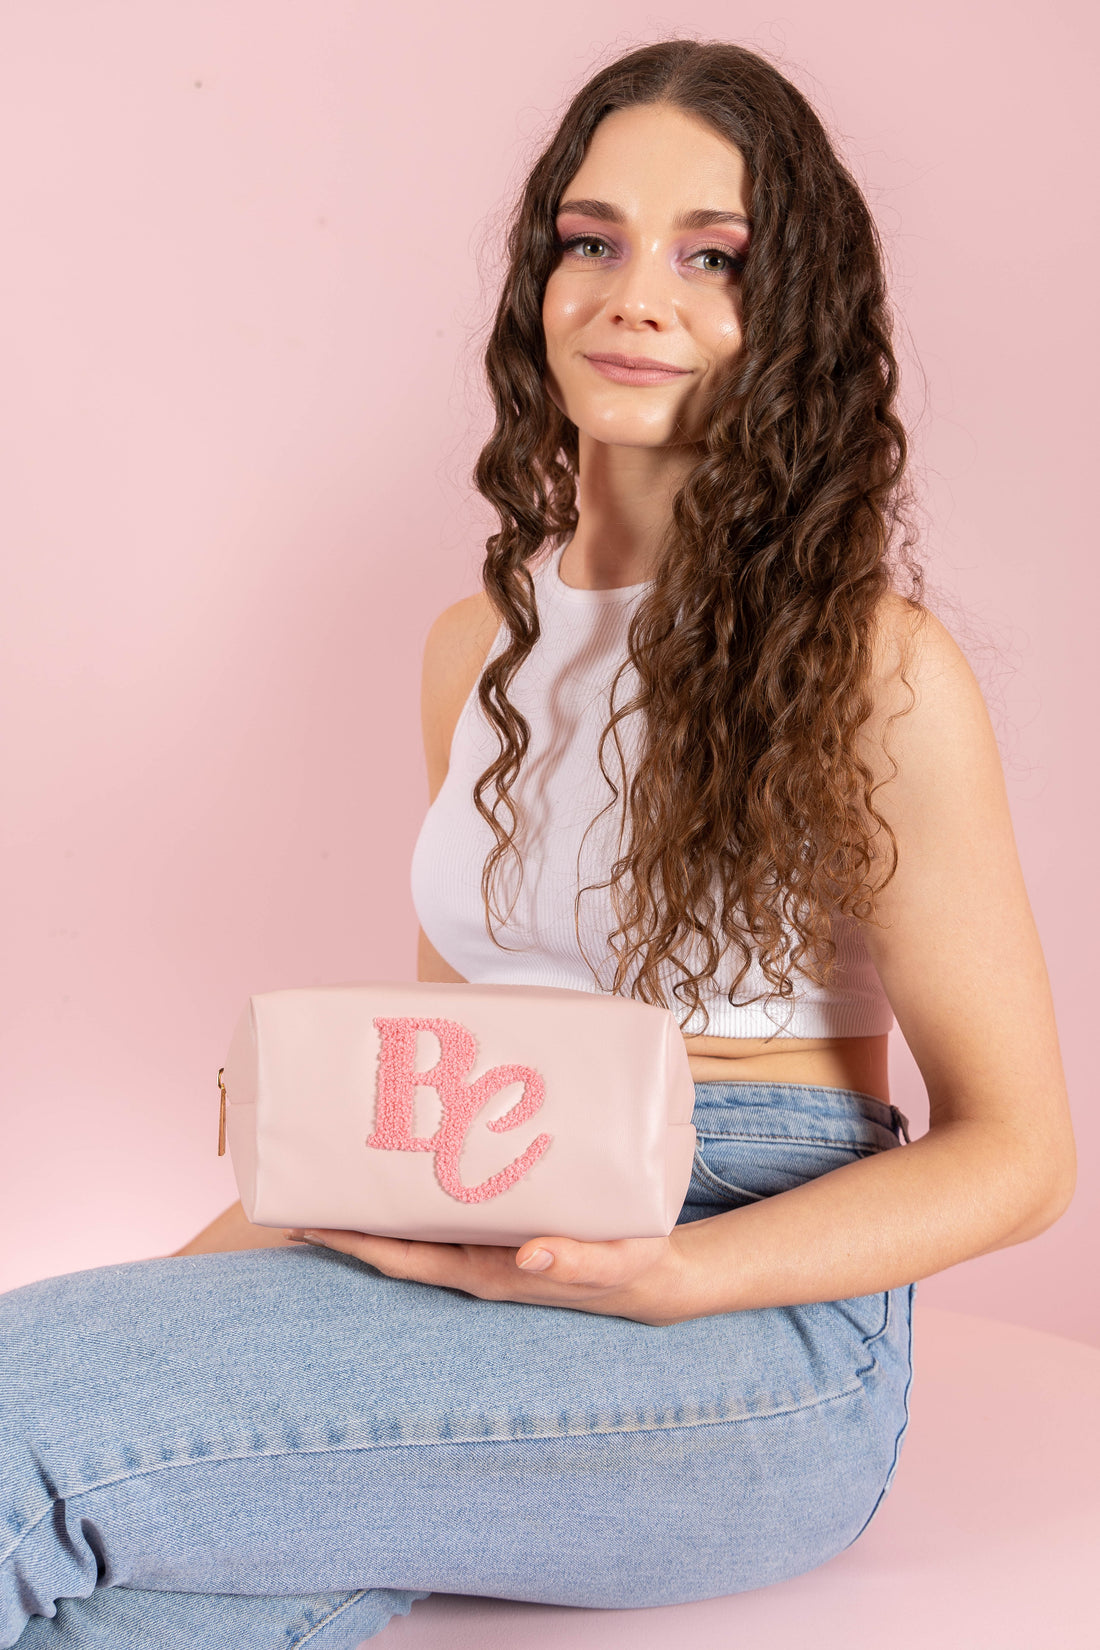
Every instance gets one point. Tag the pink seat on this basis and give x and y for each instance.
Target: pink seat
(988, 1540)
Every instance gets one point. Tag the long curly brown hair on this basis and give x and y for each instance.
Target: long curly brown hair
(748, 818)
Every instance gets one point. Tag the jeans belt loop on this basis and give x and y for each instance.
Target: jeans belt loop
(903, 1122)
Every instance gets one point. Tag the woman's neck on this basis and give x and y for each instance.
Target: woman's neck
(624, 507)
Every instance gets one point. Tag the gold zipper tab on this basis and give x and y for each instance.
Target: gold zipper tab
(221, 1116)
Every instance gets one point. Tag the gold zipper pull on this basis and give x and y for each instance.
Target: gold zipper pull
(221, 1116)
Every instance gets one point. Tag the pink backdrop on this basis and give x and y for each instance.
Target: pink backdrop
(250, 248)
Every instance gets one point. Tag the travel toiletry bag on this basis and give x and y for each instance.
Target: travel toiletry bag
(459, 1113)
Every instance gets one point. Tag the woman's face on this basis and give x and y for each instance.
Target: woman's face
(644, 278)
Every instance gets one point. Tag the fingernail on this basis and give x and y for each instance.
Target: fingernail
(538, 1261)
(295, 1236)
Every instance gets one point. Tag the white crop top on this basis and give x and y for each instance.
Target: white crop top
(563, 688)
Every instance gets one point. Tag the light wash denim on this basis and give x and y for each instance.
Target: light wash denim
(282, 1447)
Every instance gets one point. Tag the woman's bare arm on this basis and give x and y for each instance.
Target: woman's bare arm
(961, 960)
(959, 955)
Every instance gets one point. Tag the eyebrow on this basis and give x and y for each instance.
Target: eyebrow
(701, 217)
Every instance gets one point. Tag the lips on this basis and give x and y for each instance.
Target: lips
(638, 363)
(639, 370)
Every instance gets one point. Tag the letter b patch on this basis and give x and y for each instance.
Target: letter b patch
(461, 1102)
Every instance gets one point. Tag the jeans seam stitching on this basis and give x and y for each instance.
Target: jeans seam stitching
(869, 1343)
(703, 1169)
(339, 1610)
(879, 1333)
(901, 1430)
(429, 1443)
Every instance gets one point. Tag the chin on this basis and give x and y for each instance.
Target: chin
(630, 432)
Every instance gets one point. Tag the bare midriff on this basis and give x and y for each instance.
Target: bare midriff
(829, 1062)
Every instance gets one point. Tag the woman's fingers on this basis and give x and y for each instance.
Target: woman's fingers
(639, 1278)
(396, 1257)
(556, 1259)
(593, 1265)
(480, 1269)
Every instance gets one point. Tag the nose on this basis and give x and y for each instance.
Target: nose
(642, 290)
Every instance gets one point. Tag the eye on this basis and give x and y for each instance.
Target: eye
(734, 261)
(582, 240)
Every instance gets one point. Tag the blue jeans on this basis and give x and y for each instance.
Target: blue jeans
(282, 1447)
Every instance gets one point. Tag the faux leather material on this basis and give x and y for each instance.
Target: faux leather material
(460, 1113)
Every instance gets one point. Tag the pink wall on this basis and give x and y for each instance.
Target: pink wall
(240, 402)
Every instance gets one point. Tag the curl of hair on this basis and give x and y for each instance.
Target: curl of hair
(749, 816)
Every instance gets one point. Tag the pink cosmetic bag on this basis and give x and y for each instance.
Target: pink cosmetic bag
(459, 1113)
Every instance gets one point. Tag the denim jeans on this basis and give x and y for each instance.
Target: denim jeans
(283, 1447)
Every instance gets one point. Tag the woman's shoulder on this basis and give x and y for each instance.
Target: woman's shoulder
(916, 657)
(455, 650)
(458, 643)
(928, 729)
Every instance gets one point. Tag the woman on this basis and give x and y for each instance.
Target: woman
(803, 833)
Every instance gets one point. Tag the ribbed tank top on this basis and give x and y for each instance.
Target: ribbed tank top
(563, 690)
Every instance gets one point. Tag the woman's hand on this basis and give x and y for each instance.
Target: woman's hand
(641, 1278)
